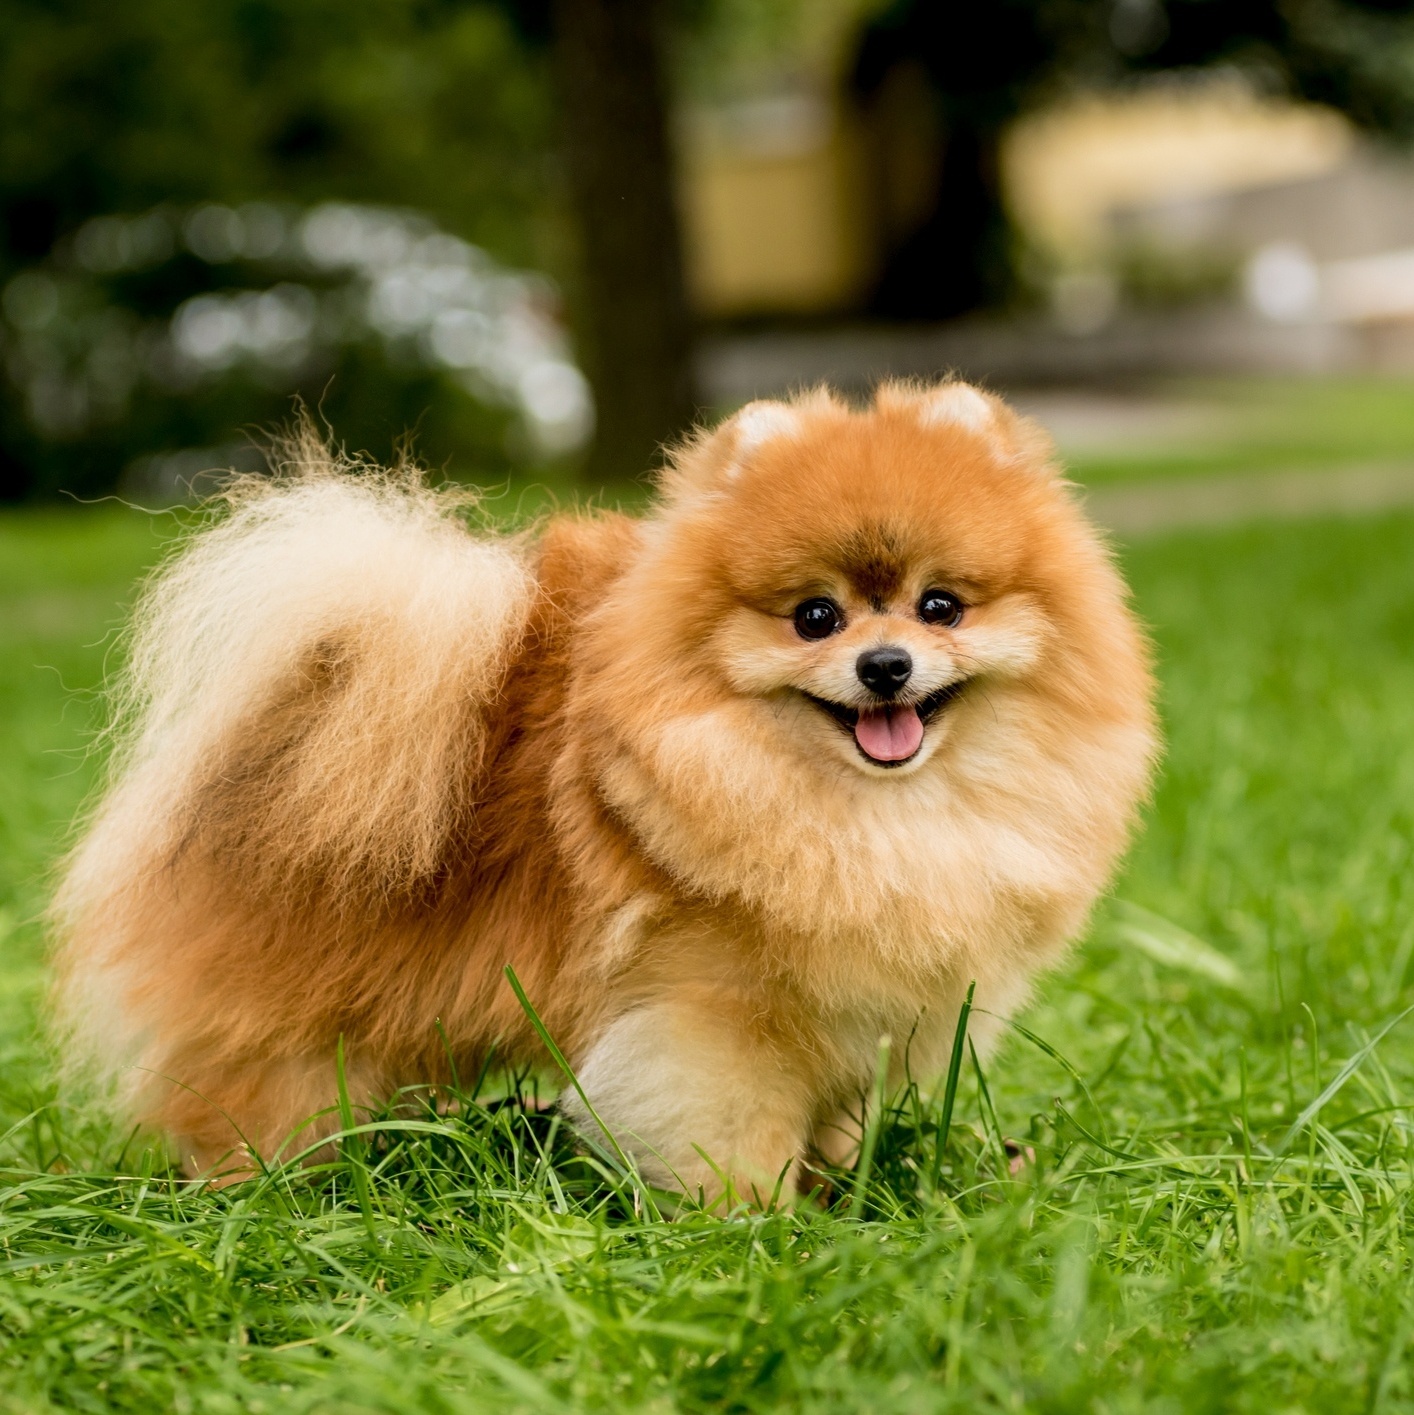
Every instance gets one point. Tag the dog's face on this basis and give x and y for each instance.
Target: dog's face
(867, 576)
(872, 674)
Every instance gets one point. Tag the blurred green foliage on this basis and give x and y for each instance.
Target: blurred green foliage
(428, 103)
(437, 105)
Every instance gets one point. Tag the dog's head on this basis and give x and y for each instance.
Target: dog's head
(864, 577)
(873, 670)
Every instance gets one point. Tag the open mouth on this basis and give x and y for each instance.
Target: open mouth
(892, 733)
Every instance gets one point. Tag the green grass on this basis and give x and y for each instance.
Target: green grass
(1188, 1237)
(1272, 424)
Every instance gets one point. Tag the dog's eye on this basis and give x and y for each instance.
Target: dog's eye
(817, 618)
(939, 607)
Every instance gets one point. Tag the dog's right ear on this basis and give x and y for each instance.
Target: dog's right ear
(713, 458)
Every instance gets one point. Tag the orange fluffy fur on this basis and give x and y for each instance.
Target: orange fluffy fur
(368, 757)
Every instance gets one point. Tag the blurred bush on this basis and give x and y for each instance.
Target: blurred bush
(207, 208)
(396, 322)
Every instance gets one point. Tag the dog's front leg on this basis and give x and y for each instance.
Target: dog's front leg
(702, 1097)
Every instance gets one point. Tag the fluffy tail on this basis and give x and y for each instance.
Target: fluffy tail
(305, 704)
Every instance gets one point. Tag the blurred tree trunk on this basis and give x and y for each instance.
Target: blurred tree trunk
(635, 324)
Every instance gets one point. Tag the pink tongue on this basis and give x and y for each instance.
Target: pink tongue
(889, 734)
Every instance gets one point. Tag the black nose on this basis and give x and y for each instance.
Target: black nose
(884, 671)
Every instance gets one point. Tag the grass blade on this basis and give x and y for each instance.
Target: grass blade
(353, 1145)
(959, 1040)
(543, 1032)
(1043, 1046)
(1341, 1077)
(1172, 946)
(873, 1123)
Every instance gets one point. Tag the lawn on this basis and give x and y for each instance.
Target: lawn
(1218, 1212)
(1261, 425)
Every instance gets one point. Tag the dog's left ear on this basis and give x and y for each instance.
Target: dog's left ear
(961, 405)
(713, 458)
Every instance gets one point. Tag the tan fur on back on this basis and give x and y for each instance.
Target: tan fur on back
(367, 756)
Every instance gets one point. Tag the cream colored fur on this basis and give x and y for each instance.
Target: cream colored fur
(333, 569)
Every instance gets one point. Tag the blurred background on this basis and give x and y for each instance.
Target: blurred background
(535, 238)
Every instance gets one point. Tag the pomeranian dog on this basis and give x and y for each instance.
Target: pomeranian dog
(855, 716)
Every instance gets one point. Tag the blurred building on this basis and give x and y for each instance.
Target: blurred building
(773, 215)
(1333, 249)
(1180, 146)
(1188, 226)
(791, 198)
